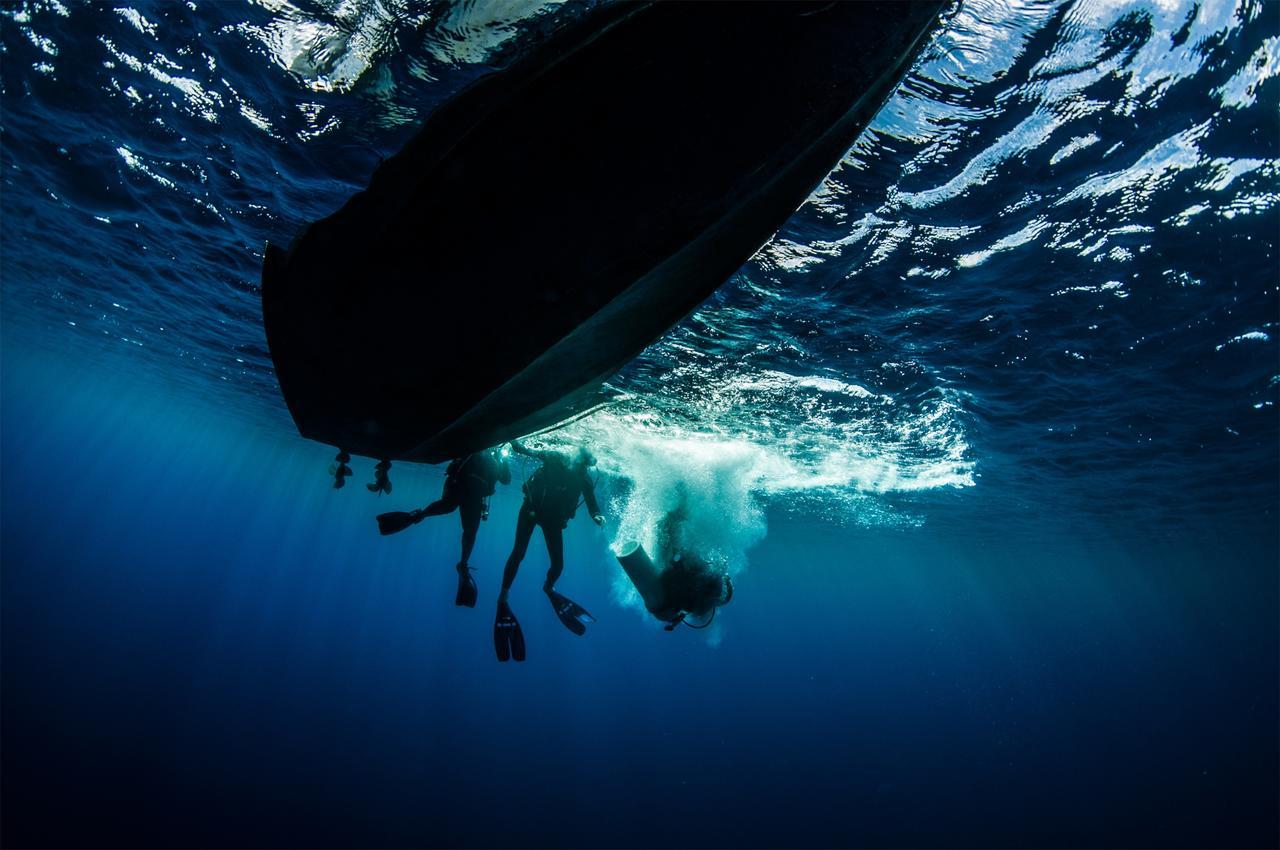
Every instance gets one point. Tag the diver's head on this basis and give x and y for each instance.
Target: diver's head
(726, 594)
(584, 457)
(717, 589)
(693, 584)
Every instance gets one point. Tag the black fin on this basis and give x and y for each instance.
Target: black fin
(517, 643)
(468, 593)
(508, 640)
(393, 521)
(573, 615)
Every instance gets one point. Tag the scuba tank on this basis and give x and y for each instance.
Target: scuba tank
(644, 574)
(553, 493)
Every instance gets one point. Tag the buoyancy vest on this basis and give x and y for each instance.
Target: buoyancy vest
(553, 492)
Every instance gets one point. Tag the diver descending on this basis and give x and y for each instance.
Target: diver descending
(468, 483)
(678, 585)
(682, 584)
(551, 498)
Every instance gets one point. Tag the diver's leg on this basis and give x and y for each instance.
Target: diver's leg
(524, 531)
(555, 551)
(447, 505)
(469, 510)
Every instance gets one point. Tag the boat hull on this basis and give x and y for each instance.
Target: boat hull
(556, 217)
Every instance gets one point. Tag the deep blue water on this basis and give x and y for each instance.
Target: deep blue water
(987, 433)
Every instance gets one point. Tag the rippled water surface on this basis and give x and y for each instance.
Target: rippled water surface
(1050, 261)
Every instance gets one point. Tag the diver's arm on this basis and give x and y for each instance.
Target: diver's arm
(537, 454)
(589, 497)
(504, 471)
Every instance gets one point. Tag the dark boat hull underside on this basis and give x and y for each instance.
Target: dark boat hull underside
(556, 217)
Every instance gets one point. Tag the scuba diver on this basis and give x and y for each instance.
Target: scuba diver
(468, 483)
(551, 498)
(685, 586)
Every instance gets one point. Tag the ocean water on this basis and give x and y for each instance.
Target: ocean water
(987, 434)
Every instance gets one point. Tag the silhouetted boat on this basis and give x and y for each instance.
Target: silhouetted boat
(557, 216)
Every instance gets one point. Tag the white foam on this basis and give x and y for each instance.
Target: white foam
(730, 447)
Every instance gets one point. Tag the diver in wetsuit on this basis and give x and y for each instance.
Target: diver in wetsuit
(468, 482)
(681, 584)
(691, 586)
(551, 498)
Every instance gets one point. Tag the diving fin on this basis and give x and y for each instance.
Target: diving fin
(390, 523)
(467, 590)
(573, 615)
(508, 640)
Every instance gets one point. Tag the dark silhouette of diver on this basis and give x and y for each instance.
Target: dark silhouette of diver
(468, 483)
(551, 498)
(691, 586)
(678, 583)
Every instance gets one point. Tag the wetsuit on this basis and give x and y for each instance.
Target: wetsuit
(468, 481)
(690, 585)
(551, 498)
